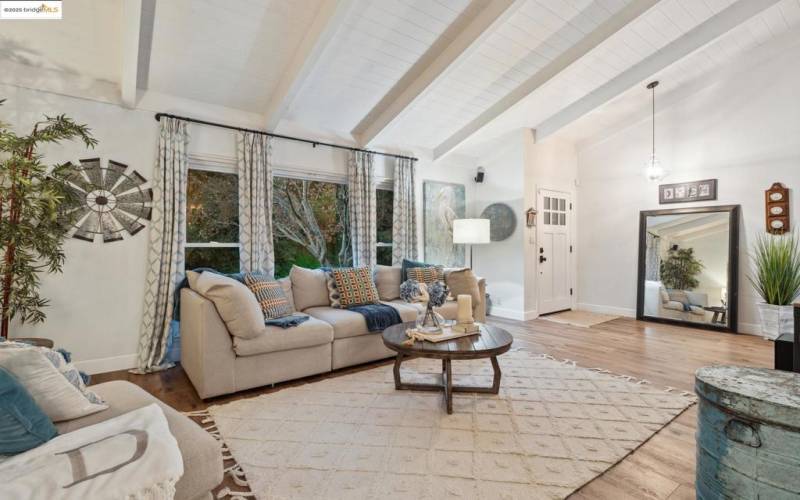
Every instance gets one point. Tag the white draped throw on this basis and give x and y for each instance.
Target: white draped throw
(362, 206)
(167, 238)
(254, 165)
(404, 214)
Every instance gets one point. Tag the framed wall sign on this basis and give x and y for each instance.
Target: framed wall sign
(685, 192)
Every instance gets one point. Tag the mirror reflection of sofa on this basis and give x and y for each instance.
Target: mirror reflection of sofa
(674, 304)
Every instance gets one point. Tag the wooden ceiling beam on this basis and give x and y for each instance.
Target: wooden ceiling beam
(693, 40)
(457, 42)
(623, 18)
(327, 22)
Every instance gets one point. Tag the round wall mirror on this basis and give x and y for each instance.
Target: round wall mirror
(503, 221)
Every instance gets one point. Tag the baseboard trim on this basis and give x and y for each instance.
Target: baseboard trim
(601, 309)
(103, 365)
(750, 329)
(502, 312)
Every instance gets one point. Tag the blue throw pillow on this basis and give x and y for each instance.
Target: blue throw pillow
(23, 425)
(408, 264)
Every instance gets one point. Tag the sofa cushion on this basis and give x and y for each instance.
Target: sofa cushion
(464, 282)
(307, 334)
(352, 324)
(202, 454)
(387, 281)
(345, 323)
(355, 286)
(309, 288)
(270, 296)
(235, 303)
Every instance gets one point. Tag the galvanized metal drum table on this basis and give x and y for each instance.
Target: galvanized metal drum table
(491, 342)
(748, 433)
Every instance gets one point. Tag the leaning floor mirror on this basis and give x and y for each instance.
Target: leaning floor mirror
(688, 266)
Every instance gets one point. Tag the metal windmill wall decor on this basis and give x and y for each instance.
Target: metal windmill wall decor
(107, 201)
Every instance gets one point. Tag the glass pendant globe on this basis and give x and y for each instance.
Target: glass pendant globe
(653, 170)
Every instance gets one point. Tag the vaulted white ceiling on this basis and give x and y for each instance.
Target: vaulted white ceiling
(442, 75)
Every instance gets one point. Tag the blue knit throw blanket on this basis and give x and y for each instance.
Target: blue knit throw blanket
(379, 317)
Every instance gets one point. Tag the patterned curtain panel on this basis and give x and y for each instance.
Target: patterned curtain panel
(167, 237)
(653, 258)
(404, 214)
(362, 206)
(254, 165)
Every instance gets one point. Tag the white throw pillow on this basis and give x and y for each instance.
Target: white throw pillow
(54, 394)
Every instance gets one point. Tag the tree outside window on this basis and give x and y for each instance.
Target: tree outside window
(310, 224)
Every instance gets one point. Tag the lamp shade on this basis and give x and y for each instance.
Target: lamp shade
(471, 231)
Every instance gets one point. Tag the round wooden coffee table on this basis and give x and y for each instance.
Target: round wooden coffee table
(491, 342)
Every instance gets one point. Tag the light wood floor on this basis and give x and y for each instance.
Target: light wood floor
(663, 468)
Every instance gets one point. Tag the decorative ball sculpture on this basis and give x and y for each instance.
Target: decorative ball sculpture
(431, 321)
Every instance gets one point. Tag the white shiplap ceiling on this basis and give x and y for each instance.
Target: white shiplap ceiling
(441, 75)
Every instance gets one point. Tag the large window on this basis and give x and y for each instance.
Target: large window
(212, 220)
(384, 205)
(310, 224)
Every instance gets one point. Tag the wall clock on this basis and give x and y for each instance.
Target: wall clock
(776, 199)
(107, 202)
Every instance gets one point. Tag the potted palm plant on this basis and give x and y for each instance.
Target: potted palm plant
(776, 278)
(33, 222)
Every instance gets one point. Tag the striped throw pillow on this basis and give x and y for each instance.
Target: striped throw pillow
(355, 286)
(427, 275)
(270, 296)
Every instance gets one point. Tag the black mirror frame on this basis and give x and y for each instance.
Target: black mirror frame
(733, 266)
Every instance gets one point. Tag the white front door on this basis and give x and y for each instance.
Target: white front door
(554, 249)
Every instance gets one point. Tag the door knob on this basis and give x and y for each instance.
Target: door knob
(542, 258)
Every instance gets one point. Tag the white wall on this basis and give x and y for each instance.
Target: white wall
(501, 263)
(551, 164)
(514, 173)
(96, 304)
(743, 130)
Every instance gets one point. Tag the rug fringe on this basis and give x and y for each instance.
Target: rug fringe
(234, 471)
(629, 378)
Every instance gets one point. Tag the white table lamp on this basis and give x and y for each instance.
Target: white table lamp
(471, 232)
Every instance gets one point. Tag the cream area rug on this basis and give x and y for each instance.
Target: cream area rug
(553, 427)
(579, 318)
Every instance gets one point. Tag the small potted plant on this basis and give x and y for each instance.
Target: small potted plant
(776, 278)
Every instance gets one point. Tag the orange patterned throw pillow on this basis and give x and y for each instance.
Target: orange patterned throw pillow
(270, 296)
(355, 286)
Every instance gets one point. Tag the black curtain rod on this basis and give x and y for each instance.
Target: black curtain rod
(279, 136)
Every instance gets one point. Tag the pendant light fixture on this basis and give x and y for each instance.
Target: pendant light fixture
(653, 169)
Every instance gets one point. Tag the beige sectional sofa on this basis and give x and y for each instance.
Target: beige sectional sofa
(218, 363)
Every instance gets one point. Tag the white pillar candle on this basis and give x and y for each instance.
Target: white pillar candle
(464, 314)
